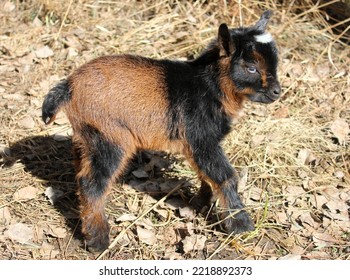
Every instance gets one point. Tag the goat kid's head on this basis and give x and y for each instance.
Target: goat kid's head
(253, 60)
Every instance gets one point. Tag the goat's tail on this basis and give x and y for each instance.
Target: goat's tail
(57, 96)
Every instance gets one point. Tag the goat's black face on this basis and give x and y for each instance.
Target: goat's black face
(253, 60)
(255, 72)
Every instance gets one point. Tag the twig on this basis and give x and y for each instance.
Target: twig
(64, 19)
(240, 13)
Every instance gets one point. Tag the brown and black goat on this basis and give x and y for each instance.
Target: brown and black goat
(118, 105)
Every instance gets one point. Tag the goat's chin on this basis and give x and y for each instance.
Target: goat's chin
(261, 98)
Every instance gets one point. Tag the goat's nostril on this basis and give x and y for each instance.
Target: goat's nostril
(277, 90)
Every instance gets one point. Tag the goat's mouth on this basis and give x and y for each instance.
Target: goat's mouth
(263, 97)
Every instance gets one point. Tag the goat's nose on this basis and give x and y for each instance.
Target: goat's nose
(277, 89)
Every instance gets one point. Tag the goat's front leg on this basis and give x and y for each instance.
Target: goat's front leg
(215, 171)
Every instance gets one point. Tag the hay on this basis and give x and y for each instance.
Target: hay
(293, 162)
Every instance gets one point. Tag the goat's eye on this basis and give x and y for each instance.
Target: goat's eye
(251, 69)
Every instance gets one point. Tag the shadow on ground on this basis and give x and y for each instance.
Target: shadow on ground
(51, 161)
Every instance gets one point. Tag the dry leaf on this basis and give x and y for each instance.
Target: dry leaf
(337, 205)
(305, 156)
(194, 243)
(126, 217)
(318, 255)
(162, 212)
(257, 140)
(282, 218)
(297, 250)
(296, 69)
(37, 22)
(243, 178)
(340, 129)
(9, 7)
(306, 219)
(57, 232)
(169, 236)
(48, 250)
(44, 52)
(282, 112)
(290, 257)
(259, 111)
(72, 52)
(187, 212)
(302, 156)
(146, 235)
(27, 122)
(145, 223)
(25, 193)
(322, 240)
(125, 239)
(20, 232)
(170, 254)
(190, 228)
(256, 194)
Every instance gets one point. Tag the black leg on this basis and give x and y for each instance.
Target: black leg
(214, 168)
(101, 161)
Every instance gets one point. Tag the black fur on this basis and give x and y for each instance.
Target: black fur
(104, 159)
(56, 97)
(195, 99)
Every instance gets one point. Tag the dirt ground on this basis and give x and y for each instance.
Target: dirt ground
(293, 156)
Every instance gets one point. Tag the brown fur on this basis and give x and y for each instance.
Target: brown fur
(136, 83)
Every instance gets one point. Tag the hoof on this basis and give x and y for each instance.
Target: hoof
(96, 235)
(238, 223)
(97, 244)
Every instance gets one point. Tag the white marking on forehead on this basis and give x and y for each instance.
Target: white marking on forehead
(264, 38)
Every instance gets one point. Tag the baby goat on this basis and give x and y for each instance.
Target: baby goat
(118, 105)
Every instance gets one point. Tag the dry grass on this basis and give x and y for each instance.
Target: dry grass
(294, 170)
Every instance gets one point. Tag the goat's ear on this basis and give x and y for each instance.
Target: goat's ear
(226, 44)
(263, 21)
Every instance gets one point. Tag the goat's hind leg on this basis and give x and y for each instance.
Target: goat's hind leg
(100, 162)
